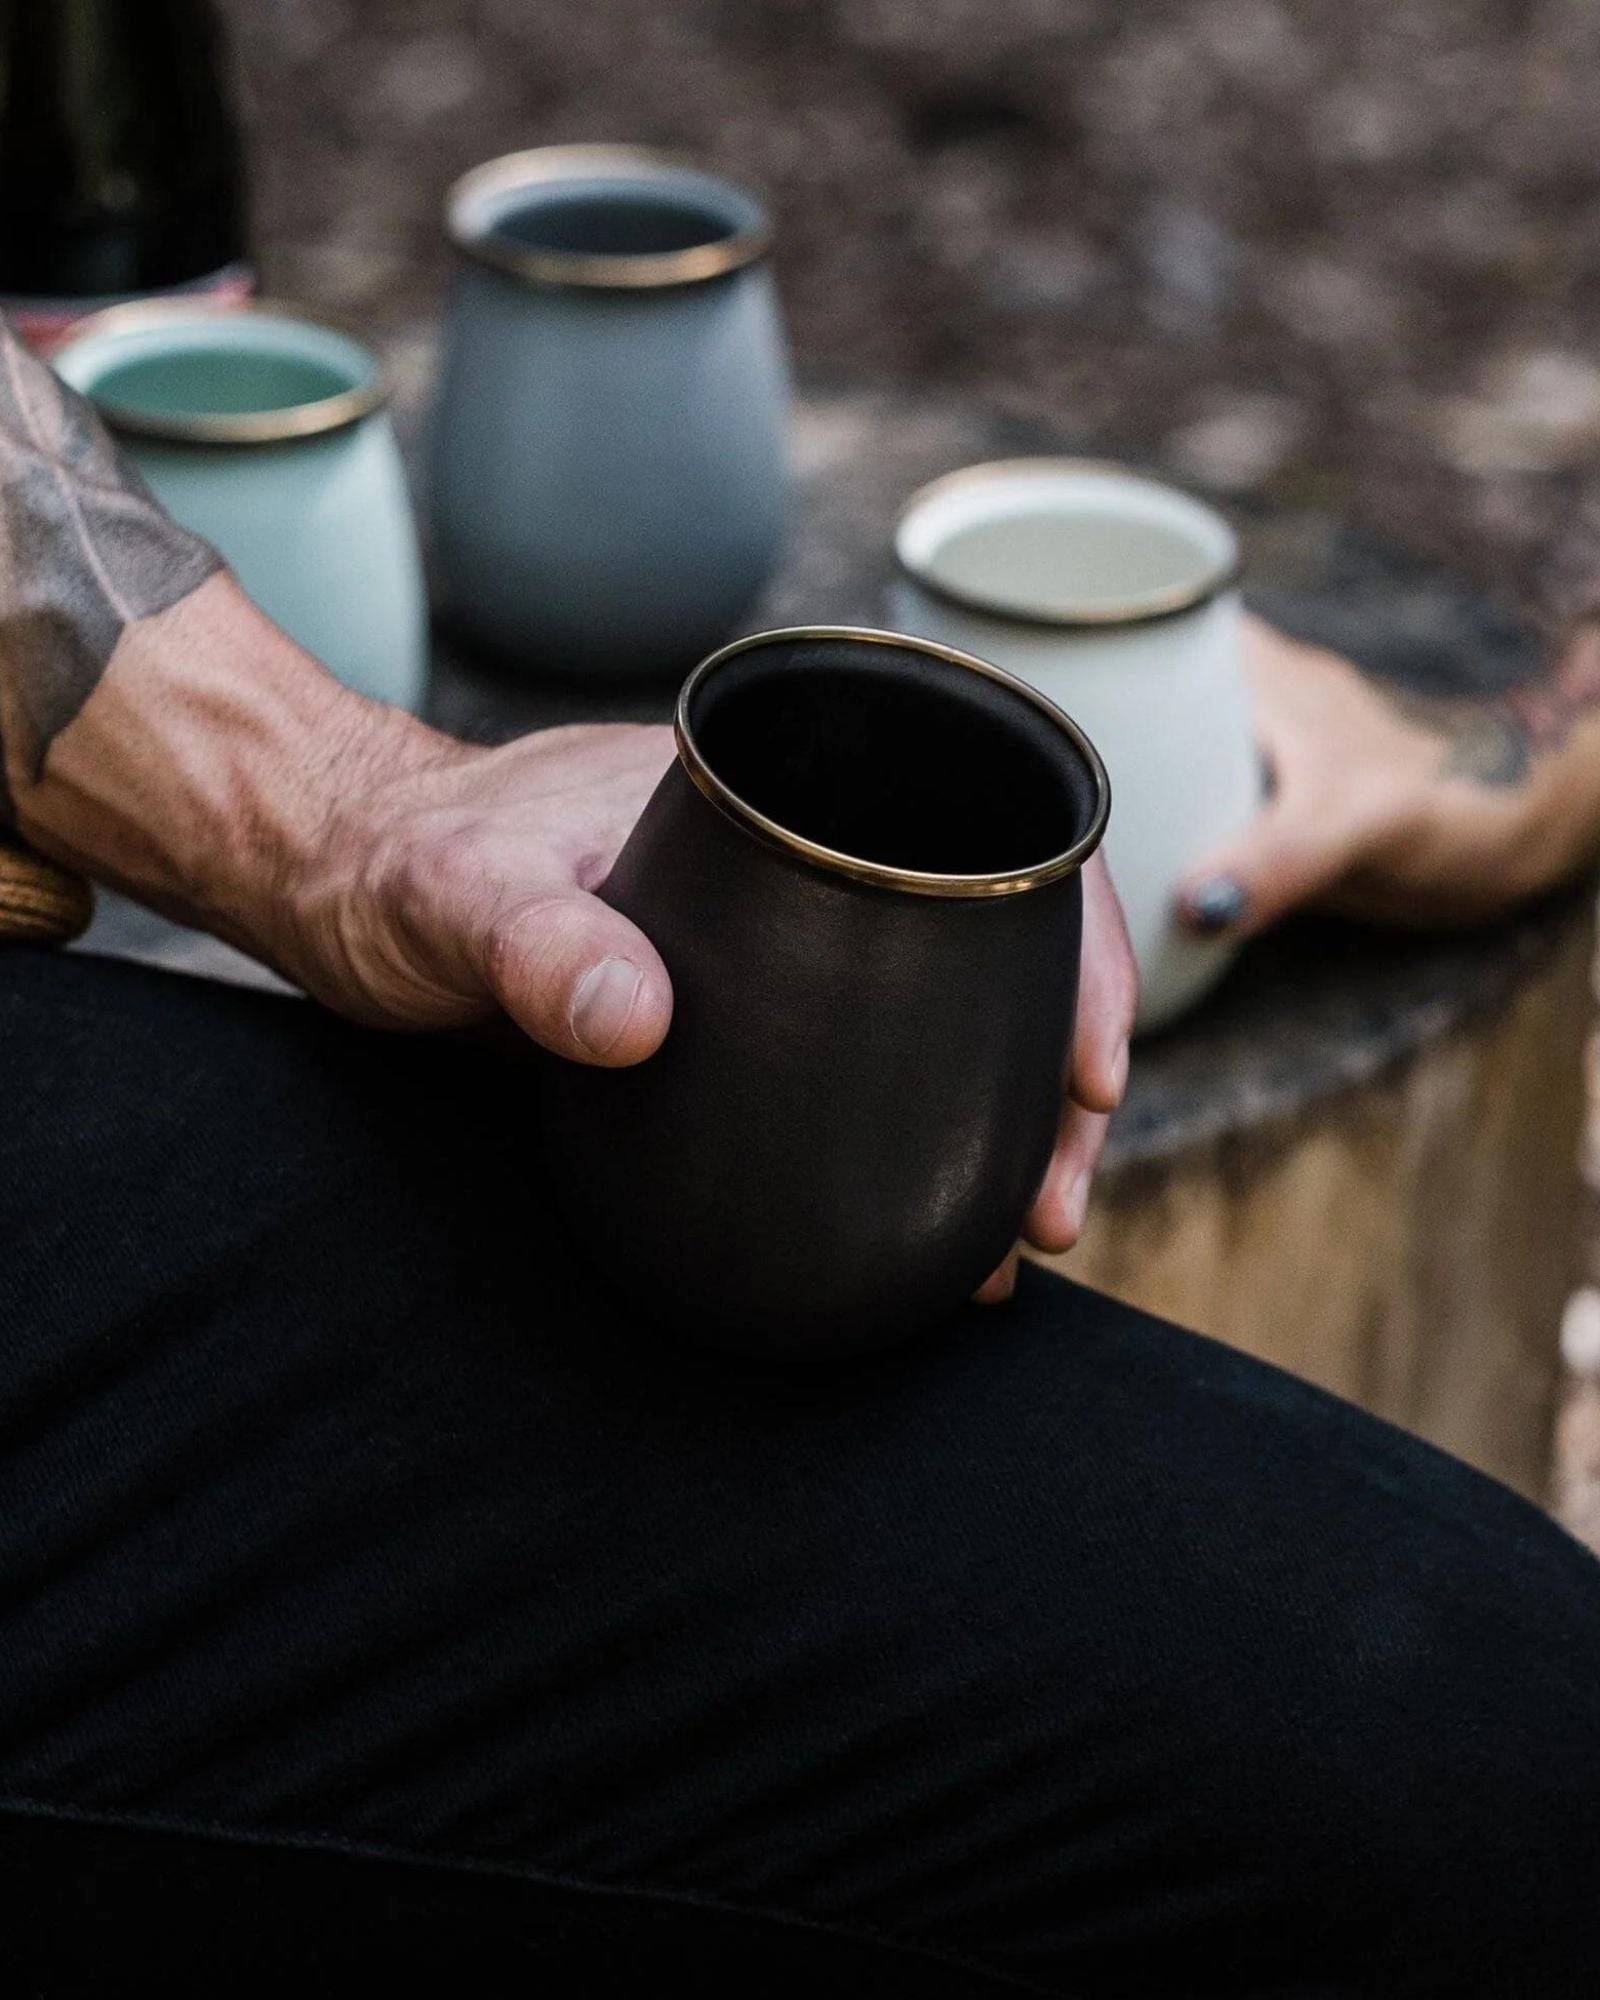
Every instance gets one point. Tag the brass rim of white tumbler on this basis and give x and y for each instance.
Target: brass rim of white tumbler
(1146, 609)
(298, 420)
(547, 166)
(913, 880)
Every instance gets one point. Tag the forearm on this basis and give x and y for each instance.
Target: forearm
(85, 554)
(200, 771)
(1515, 801)
(1541, 741)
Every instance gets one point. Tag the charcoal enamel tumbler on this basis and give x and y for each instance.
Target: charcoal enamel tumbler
(609, 444)
(862, 873)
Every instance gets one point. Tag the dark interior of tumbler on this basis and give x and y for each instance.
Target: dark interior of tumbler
(893, 756)
(624, 219)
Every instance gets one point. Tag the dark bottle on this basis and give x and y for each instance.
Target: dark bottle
(121, 169)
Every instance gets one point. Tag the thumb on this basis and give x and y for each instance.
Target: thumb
(1283, 858)
(579, 978)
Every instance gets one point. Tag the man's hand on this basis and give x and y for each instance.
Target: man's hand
(453, 883)
(1406, 810)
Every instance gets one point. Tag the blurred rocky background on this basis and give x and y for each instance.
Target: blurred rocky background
(1354, 246)
(1346, 251)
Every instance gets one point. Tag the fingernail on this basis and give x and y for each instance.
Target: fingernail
(603, 1002)
(1119, 1073)
(1216, 905)
(1078, 1203)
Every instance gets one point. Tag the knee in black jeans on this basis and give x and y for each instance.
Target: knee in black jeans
(1065, 1650)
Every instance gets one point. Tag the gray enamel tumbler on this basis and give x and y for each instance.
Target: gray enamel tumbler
(609, 475)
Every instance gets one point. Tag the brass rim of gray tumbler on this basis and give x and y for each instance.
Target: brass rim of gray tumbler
(880, 874)
(1147, 609)
(549, 166)
(298, 420)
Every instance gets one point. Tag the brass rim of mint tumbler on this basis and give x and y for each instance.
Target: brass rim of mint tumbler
(548, 166)
(880, 874)
(299, 420)
(1147, 609)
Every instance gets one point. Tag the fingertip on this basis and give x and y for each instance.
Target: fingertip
(620, 1012)
(580, 980)
(652, 1018)
(1100, 1082)
(1000, 1284)
(1214, 905)
(1056, 1220)
(1108, 998)
(651, 1014)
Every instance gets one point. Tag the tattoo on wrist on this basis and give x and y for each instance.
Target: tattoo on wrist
(84, 552)
(1496, 742)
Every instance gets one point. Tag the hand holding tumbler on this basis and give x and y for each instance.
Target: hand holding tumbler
(862, 873)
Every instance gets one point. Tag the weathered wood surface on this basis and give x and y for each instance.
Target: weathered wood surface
(1408, 1244)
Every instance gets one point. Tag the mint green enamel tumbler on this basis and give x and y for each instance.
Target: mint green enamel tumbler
(266, 433)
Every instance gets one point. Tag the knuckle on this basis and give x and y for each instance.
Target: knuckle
(454, 867)
(428, 874)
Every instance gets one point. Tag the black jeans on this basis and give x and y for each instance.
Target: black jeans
(377, 1599)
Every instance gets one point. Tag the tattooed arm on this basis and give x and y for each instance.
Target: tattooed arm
(1407, 810)
(67, 494)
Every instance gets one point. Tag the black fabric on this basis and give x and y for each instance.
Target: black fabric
(379, 1600)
